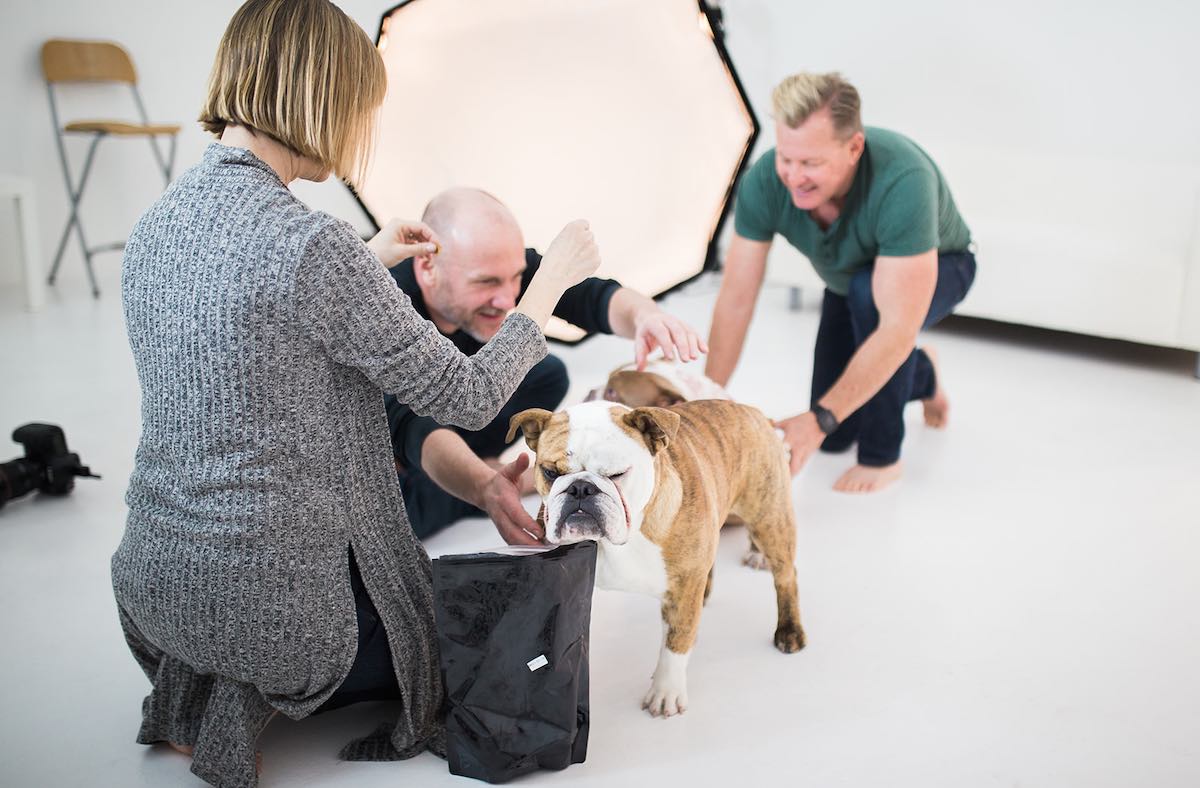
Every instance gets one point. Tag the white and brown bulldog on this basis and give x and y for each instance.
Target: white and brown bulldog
(653, 486)
(662, 384)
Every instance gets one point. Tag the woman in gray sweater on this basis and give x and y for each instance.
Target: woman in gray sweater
(267, 562)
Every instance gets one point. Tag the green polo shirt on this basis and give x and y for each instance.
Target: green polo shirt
(898, 205)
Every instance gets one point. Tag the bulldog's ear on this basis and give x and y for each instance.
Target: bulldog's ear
(657, 425)
(531, 422)
(668, 395)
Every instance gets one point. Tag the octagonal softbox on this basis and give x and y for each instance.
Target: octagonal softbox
(626, 113)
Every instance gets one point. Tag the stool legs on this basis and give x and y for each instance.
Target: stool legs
(75, 194)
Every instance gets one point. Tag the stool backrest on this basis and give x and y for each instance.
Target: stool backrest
(66, 60)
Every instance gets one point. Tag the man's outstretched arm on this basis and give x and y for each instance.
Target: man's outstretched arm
(637, 317)
(450, 463)
(745, 266)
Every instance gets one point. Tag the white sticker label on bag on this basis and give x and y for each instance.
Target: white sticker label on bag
(539, 661)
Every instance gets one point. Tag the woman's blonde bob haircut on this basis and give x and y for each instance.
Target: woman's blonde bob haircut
(304, 74)
(801, 95)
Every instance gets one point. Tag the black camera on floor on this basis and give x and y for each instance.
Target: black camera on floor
(47, 465)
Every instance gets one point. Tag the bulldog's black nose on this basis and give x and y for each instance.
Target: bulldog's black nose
(582, 489)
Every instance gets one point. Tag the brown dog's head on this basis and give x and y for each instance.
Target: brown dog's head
(595, 466)
(660, 385)
(641, 389)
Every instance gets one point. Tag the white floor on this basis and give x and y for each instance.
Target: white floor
(1023, 609)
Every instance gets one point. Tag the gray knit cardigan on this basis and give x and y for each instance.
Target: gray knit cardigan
(264, 335)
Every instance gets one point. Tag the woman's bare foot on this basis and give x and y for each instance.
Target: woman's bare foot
(937, 407)
(864, 478)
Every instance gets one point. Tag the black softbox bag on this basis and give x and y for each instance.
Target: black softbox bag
(513, 631)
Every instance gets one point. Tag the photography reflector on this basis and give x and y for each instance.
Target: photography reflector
(622, 112)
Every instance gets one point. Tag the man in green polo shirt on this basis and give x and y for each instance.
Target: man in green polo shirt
(873, 214)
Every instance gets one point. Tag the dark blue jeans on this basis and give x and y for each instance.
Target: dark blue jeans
(372, 676)
(846, 322)
(430, 508)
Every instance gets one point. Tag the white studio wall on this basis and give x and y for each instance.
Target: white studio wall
(172, 44)
(1064, 129)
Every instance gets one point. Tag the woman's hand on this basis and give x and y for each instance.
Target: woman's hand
(571, 258)
(573, 255)
(400, 240)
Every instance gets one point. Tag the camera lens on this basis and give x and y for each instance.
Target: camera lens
(17, 477)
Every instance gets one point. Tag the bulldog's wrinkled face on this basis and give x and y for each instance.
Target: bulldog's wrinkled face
(595, 467)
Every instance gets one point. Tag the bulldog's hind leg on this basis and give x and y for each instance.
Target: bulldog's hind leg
(754, 557)
(772, 524)
(681, 617)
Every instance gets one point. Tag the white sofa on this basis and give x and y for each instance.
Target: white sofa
(1108, 248)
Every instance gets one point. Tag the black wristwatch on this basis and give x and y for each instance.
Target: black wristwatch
(825, 418)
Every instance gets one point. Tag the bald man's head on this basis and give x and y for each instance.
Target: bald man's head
(472, 217)
(476, 278)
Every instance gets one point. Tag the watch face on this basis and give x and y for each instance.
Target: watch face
(825, 419)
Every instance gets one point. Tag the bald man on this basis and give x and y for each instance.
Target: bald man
(466, 290)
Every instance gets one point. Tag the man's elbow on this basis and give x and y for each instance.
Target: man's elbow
(901, 333)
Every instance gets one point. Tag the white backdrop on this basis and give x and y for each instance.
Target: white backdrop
(1030, 93)
(1067, 131)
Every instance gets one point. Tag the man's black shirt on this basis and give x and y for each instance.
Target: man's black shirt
(584, 305)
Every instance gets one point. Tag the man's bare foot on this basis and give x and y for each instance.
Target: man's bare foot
(937, 407)
(864, 479)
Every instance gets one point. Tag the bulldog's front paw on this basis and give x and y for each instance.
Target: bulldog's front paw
(668, 688)
(665, 698)
(755, 559)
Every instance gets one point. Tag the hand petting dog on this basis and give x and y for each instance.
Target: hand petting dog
(657, 330)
